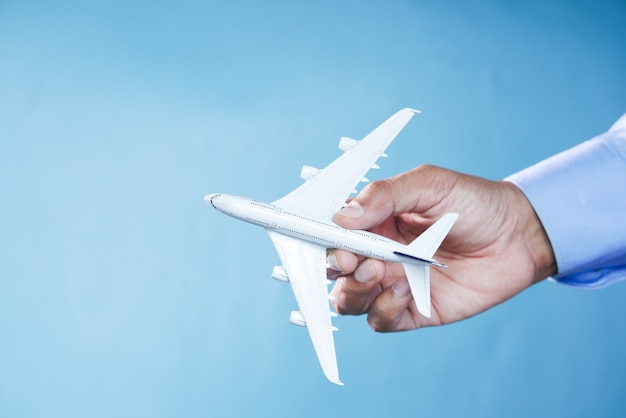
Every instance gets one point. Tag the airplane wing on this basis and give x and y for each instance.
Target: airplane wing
(305, 265)
(327, 191)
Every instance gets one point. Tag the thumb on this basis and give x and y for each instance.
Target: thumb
(371, 207)
(420, 191)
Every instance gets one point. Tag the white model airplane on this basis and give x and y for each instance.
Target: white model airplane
(301, 227)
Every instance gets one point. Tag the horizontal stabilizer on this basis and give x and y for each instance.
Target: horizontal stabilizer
(423, 260)
(422, 249)
(419, 282)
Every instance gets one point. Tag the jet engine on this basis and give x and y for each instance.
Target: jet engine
(296, 318)
(308, 172)
(280, 274)
(346, 143)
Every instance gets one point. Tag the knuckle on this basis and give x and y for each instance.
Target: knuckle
(377, 324)
(346, 302)
(339, 308)
(383, 315)
(424, 169)
(343, 307)
(379, 187)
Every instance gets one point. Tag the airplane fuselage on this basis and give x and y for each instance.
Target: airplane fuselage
(309, 228)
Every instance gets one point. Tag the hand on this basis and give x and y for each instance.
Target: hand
(496, 249)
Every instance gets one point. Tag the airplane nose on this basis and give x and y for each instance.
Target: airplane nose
(209, 199)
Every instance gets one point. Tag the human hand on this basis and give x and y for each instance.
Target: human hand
(496, 249)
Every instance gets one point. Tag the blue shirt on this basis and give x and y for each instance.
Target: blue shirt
(580, 198)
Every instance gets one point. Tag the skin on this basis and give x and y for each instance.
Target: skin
(496, 249)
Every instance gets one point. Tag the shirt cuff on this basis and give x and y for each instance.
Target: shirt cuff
(580, 197)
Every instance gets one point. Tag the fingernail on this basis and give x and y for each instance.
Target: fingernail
(353, 210)
(332, 261)
(401, 288)
(365, 272)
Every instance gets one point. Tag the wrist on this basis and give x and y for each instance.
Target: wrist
(535, 238)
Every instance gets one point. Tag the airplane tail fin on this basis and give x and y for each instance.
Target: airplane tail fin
(429, 241)
(422, 249)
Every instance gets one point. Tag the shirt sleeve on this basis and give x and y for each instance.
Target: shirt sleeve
(580, 198)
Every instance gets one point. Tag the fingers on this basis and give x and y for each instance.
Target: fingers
(372, 287)
(354, 293)
(393, 309)
(342, 261)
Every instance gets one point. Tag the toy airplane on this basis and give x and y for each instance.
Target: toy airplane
(301, 228)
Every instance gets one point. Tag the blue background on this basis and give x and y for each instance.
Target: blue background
(123, 294)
